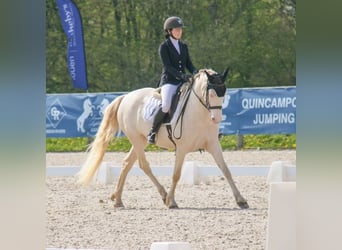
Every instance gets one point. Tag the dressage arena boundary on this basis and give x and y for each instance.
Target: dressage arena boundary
(281, 176)
(281, 224)
(193, 172)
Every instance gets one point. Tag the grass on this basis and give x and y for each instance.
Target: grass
(228, 142)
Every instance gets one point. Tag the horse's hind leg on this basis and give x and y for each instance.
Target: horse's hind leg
(145, 166)
(126, 167)
(215, 150)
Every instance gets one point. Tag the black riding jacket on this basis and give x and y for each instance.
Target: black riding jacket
(174, 64)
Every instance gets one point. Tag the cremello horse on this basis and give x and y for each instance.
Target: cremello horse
(199, 129)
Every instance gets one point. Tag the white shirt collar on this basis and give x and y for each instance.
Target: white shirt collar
(175, 43)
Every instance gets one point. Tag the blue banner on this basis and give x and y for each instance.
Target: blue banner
(72, 26)
(245, 111)
(259, 111)
(75, 115)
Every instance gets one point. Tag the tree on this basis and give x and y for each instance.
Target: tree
(256, 38)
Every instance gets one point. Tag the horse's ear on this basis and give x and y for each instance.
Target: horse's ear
(225, 73)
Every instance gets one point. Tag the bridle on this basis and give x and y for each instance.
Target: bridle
(220, 90)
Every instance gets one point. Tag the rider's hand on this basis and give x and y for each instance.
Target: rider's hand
(186, 77)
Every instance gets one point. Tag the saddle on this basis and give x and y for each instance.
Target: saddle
(175, 100)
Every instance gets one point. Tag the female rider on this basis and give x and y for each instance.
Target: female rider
(175, 58)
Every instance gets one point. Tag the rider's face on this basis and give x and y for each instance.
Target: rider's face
(177, 33)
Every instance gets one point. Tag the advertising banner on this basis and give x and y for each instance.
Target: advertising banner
(259, 111)
(72, 26)
(75, 115)
(245, 111)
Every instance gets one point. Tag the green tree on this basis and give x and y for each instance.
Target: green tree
(255, 37)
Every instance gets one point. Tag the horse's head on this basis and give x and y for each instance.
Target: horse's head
(215, 90)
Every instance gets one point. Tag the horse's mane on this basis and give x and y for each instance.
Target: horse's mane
(208, 70)
(201, 71)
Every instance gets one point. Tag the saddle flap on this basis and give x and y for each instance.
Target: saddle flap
(181, 90)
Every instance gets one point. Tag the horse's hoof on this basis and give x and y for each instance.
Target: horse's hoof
(118, 205)
(174, 206)
(112, 197)
(243, 204)
(164, 200)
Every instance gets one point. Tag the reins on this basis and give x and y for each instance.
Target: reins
(181, 114)
(205, 104)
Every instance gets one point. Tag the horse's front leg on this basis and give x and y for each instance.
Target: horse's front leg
(216, 151)
(170, 199)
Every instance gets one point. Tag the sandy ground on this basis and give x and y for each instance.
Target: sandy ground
(208, 217)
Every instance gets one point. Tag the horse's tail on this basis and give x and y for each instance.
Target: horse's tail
(97, 149)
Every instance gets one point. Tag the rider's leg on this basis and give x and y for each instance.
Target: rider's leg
(167, 92)
(158, 120)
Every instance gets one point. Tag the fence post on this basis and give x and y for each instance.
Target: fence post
(90, 140)
(239, 143)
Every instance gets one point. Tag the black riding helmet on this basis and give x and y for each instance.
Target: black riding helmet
(173, 22)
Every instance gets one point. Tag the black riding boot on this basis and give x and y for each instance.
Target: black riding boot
(158, 120)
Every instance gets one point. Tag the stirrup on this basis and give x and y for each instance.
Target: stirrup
(151, 138)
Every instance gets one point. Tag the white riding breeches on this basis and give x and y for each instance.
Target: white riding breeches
(167, 92)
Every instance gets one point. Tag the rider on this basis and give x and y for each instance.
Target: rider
(175, 58)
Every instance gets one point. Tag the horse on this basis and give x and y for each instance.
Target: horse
(198, 130)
